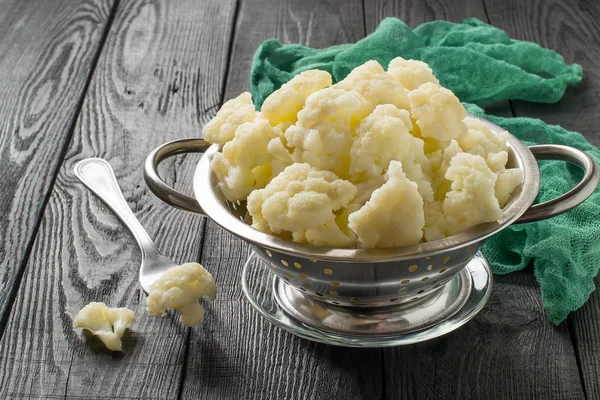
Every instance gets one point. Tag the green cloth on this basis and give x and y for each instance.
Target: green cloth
(481, 64)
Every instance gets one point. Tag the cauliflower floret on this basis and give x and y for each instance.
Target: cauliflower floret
(482, 141)
(471, 200)
(283, 105)
(364, 190)
(221, 129)
(393, 216)
(384, 136)
(508, 180)
(245, 161)
(302, 200)
(323, 134)
(440, 183)
(438, 113)
(380, 138)
(108, 324)
(181, 288)
(411, 73)
(375, 85)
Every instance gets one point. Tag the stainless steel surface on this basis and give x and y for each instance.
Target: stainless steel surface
(405, 317)
(159, 187)
(359, 277)
(260, 287)
(99, 177)
(572, 198)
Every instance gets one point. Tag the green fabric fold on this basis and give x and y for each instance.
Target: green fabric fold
(482, 64)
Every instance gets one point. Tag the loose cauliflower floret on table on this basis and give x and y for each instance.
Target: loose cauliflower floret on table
(471, 200)
(303, 200)
(181, 288)
(393, 216)
(108, 324)
(438, 113)
(411, 73)
(282, 105)
(322, 136)
(221, 129)
(375, 85)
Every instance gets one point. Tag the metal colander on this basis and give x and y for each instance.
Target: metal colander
(371, 277)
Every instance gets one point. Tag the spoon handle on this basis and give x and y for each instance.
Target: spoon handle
(99, 177)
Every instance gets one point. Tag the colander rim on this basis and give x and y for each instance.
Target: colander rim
(212, 202)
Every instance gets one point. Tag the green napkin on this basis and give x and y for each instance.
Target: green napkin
(481, 64)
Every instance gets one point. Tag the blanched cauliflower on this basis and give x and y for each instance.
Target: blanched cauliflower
(375, 85)
(282, 105)
(471, 199)
(303, 200)
(411, 73)
(322, 136)
(245, 162)
(181, 288)
(482, 141)
(393, 216)
(438, 113)
(385, 136)
(108, 324)
(380, 159)
(508, 180)
(221, 129)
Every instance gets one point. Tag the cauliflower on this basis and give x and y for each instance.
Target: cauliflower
(385, 136)
(221, 129)
(482, 141)
(181, 288)
(438, 113)
(245, 162)
(472, 199)
(303, 200)
(108, 324)
(380, 159)
(411, 73)
(440, 182)
(283, 105)
(393, 216)
(377, 87)
(507, 182)
(322, 136)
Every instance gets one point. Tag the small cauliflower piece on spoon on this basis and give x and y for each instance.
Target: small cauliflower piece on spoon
(107, 323)
(180, 288)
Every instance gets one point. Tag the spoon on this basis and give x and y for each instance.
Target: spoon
(99, 177)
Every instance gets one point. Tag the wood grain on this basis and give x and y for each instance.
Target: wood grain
(47, 52)
(571, 29)
(159, 77)
(414, 13)
(237, 354)
(510, 350)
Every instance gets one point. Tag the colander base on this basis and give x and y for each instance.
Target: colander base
(443, 311)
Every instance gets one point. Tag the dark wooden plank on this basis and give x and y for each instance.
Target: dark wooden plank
(48, 51)
(572, 29)
(159, 77)
(510, 350)
(237, 354)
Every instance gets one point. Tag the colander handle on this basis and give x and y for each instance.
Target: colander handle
(574, 196)
(159, 187)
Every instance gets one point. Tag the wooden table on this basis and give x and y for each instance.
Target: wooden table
(115, 79)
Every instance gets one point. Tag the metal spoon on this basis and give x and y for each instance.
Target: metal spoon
(99, 177)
